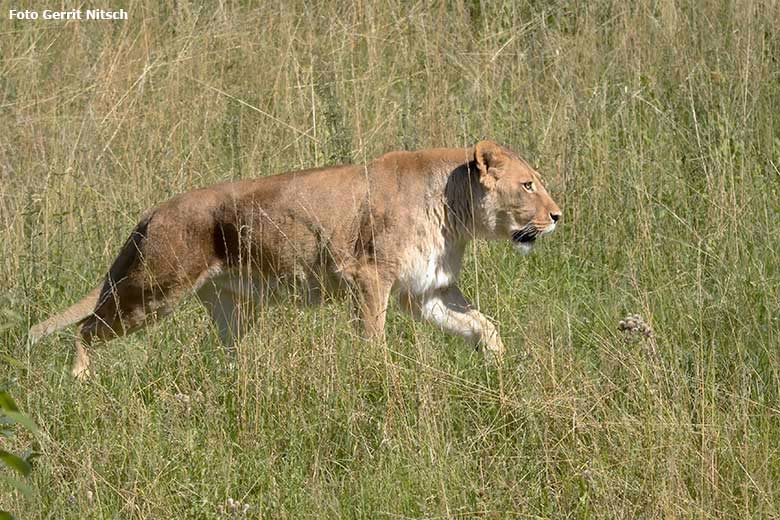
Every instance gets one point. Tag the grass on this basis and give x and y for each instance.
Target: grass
(656, 127)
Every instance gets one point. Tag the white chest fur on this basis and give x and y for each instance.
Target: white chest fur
(427, 269)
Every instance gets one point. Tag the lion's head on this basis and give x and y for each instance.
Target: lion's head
(515, 205)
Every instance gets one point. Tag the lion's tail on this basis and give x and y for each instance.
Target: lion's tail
(73, 314)
(86, 306)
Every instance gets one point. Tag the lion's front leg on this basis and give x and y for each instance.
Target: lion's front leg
(449, 310)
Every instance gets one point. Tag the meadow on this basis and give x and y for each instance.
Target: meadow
(656, 127)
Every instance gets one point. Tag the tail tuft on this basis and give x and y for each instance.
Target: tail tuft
(39, 331)
(74, 314)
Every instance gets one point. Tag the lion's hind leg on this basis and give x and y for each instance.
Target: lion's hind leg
(160, 263)
(124, 309)
(135, 301)
(121, 309)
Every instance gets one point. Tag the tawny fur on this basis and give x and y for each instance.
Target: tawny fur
(73, 314)
(398, 225)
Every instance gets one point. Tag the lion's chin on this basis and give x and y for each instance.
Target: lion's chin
(524, 248)
(523, 239)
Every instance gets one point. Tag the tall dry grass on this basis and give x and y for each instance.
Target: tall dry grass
(655, 125)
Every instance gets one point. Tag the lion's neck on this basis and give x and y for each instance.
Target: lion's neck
(463, 202)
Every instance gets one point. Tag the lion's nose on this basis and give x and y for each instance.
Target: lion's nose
(555, 216)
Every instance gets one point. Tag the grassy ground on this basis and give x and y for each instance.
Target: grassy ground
(656, 126)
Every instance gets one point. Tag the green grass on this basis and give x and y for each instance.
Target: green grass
(656, 127)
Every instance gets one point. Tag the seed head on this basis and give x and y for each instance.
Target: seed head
(634, 328)
(233, 508)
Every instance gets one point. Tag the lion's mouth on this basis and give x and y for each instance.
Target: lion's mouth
(527, 235)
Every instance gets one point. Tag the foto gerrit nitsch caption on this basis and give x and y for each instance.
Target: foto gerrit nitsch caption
(73, 14)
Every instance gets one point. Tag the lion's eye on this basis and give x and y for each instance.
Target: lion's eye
(528, 186)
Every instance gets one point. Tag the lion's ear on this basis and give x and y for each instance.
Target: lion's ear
(489, 158)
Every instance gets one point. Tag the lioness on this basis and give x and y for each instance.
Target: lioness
(398, 225)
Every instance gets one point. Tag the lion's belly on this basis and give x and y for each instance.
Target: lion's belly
(304, 289)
